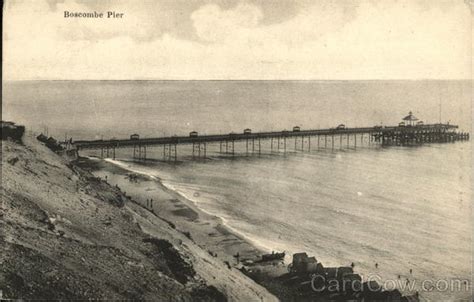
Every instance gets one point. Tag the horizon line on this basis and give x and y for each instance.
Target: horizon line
(228, 80)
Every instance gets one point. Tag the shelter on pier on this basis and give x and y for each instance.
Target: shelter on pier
(410, 119)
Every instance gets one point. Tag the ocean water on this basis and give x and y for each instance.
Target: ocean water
(95, 109)
(401, 207)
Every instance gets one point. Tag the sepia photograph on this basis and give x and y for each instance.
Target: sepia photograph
(236, 150)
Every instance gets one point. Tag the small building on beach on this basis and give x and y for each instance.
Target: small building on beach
(304, 264)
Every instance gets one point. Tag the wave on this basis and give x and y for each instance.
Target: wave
(259, 243)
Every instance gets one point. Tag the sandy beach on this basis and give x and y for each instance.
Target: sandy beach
(207, 231)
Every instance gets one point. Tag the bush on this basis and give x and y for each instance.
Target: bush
(12, 131)
(177, 266)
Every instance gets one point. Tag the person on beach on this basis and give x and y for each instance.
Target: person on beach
(376, 265)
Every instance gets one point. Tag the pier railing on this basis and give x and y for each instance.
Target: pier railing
(87, 144)
(392, 135)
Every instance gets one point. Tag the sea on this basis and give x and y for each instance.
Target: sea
(401, 215)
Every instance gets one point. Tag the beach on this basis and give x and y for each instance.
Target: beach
(207, 230)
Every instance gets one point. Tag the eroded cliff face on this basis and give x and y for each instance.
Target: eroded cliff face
(68, 235)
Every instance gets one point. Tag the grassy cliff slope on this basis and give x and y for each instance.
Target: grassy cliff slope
(68, 235)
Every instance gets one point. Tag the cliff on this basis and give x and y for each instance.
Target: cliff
(69, 235)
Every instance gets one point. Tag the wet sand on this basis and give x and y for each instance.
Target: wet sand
(206, 230)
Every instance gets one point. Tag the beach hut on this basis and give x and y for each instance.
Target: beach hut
(304, 264)
(299, 262)
(312, 265)
(410, 119)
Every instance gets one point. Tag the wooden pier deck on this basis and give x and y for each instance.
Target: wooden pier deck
(392, 135)
(375, 131)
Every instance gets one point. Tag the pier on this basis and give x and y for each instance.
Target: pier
(297, 139)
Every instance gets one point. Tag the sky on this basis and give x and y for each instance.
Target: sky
(238, 39)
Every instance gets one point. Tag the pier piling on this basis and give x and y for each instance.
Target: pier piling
(402, 135)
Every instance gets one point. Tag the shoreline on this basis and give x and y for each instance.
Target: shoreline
(209, 231)
(221, 241)
(191, 203)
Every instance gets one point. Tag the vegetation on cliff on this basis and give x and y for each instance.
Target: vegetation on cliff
(68, 235)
